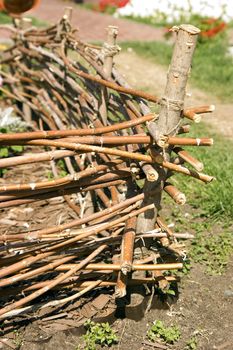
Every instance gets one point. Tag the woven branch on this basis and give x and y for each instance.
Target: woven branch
(84, 113)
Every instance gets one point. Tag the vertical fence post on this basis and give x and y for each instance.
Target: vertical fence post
(109, 50)
(169, 118)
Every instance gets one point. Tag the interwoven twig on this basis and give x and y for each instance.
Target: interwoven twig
(84, 112)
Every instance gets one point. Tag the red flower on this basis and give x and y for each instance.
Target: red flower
(210, 27)
(213, 31)
(103, 4)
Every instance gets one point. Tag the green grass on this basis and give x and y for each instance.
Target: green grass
(212, 245)
(211, 212)
(214, 200)
(212, 250)
(6, 19)
(149, 20)
(212, 68)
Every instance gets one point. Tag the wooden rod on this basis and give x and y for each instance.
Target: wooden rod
(75, 132)
(175, 194)
(186, 156)
(117, 267)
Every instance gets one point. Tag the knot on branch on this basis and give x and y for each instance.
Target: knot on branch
(174, 29)
(179, 72)
(110, 50)
(171, 105)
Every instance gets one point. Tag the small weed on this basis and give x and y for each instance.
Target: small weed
(9, 150)
(187, 265)
(50, 175)
(168, 334)
(169, 292)
(191, 344)
(18, 340)
(99, 333)
(62, 168)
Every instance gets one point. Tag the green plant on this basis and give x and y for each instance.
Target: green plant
(50, 175)
(170, 291)
(4, 18)
(212, 250)
(168, 334)
(187, 265)
(167, 292)
(6, 151)
(62, 168)
(99, 333)
(191, 343)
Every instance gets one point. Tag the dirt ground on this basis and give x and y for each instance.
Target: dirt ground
(201, 309)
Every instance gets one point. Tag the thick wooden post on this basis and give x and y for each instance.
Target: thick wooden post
(169, 118)
(173, 100)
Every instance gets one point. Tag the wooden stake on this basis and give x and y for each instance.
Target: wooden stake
(172, 103)
(127, 249)
(169, 119)
(109, 51)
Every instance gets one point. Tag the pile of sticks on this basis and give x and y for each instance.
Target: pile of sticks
(119, 157)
